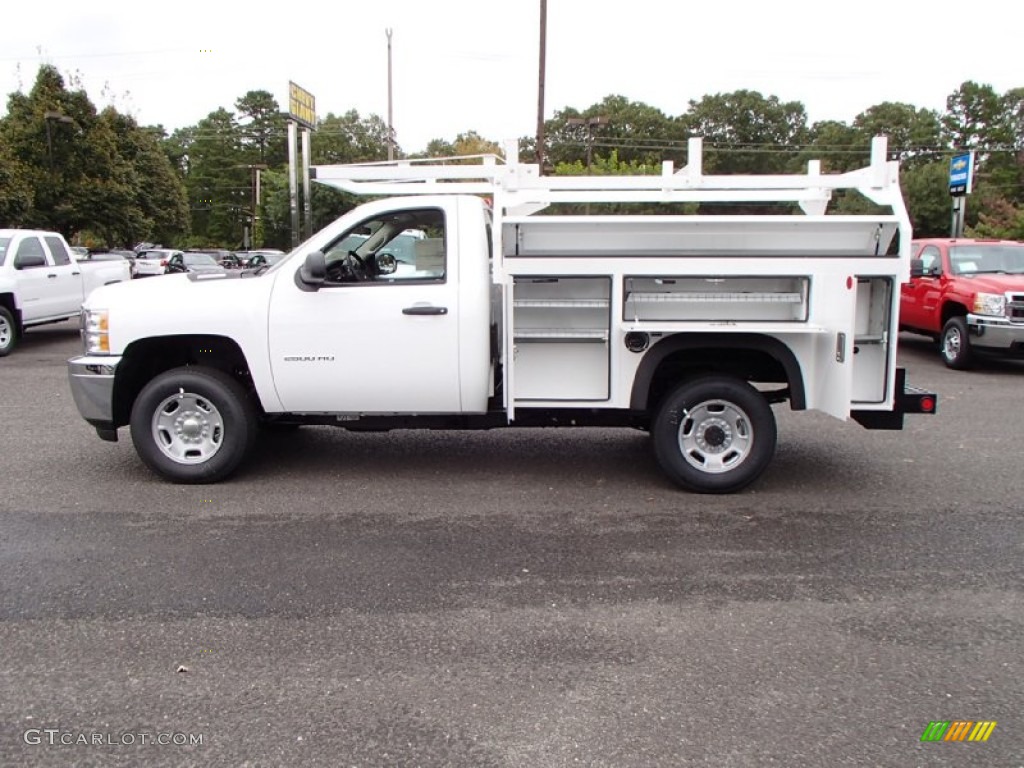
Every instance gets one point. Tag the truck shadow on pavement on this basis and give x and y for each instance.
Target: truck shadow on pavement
(617, 459)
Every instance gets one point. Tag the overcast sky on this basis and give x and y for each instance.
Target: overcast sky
(463, 65)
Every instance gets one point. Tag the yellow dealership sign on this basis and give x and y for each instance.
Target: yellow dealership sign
(301, 106)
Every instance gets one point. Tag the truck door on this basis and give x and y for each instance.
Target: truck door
(381, 334)
(68, 296)
(919, 297)
(36, 280)
(832, 382)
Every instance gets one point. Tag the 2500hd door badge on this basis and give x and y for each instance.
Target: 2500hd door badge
(309, 358)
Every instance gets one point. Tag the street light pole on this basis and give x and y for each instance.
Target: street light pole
(52, 116)
(540, 85)
(391, 125)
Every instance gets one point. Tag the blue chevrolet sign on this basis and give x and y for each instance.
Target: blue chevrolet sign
(960, 172)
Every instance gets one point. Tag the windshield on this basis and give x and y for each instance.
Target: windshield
(200, 260)
(4, 242)
(980, 258)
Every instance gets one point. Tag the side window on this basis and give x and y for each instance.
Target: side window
(30, 254)
(931, 261)
(396, 247)
(57, 250)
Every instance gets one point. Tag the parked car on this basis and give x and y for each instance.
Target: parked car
(968, 295)
(194, 261)
(128, 255)
(245, 257)
(228, 260)
(225, 258)
(43, 281)
(263, 259)
(153, 261)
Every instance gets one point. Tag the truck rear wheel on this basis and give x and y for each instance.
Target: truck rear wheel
(193, 425)
(8, 332)
(715, 434)
(956, 344)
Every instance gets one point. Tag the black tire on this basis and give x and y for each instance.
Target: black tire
(8, 332)
(193, 425)
(956, 344)
(714, 434)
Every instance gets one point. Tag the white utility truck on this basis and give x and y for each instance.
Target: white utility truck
(453, 302)
(43, 281)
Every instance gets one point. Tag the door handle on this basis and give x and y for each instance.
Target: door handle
(51, 276)
(425, 311)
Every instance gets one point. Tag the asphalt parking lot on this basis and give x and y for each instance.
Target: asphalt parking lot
(513, 598)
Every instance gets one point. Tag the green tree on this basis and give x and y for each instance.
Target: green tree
(744, 132)
(349, 138)
(636, 131)
(218, 181)
(926, 195)
(468, 143)
(79, 179)
(15, 188)
(915, 135)
(263, 128)
(177, 147)
(837, 146)
(974, 118)
(160, 198)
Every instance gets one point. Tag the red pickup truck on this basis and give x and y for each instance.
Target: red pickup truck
(968, 295)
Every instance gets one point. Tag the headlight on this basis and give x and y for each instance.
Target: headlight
(990, 304)
(96, 331)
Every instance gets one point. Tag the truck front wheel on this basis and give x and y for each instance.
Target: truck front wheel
(956, 344)
(193, 425)
(715, 434)
(8, 332)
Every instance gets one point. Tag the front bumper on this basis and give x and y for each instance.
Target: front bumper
(92, 387)
(997, 333)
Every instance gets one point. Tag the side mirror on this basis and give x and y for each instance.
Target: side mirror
(27, 261)
(387, 264)
(917, 268)
(313, 272)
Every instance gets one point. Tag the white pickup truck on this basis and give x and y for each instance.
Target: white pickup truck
(453, 304)
(42, 281)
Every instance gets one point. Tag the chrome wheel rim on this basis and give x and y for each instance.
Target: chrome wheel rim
(188, 428)
(6, 333)
(951, 344)
(715, 436)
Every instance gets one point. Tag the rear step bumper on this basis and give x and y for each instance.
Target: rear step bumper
(908, 400)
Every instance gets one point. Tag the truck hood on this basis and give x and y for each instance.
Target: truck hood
(154, 292)
(185, 304)
(994, 283)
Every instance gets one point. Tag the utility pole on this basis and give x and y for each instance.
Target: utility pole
(391, 125)
(254, 200)
(540, 85)
(590, 122)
